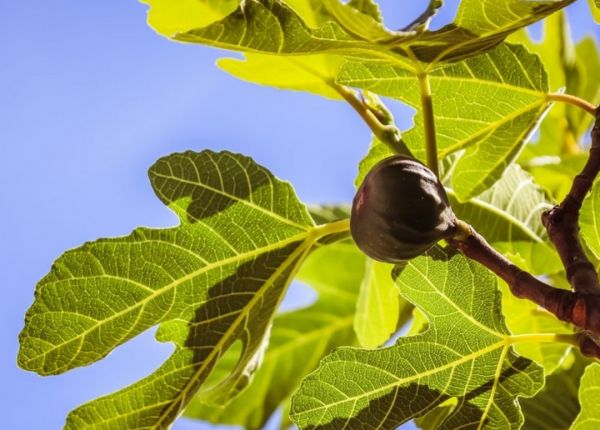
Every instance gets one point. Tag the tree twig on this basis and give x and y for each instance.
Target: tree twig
(562, 222)
(580, 307)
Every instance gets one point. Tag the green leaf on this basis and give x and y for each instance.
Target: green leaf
(523, 316)
(555, 174)
(487, 105)
(368, 7)
(270, 26)
(359, 24)
(589, 397)
(241, 237)
(312, 73)
(509, 215)
(299, 339)
(465, 353)
(556, 405)
(379, 310)
(480, 25)
(589, 221)
(169, 18)
(570, 68)
(581, 83)
(595, 9)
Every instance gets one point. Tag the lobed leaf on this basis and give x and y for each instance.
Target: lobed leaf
(557, 404)
(589, 396)
(379, 309)
(493, 134)
(212, 281)
(299, 339)
(271, 26)
(571, 68)
(356, 389)
(589, 221)
(480, 25)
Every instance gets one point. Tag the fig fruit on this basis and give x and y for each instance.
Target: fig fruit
(400, 210)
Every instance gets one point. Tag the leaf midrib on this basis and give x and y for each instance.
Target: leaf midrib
(239, 258)
(402, 381)
(296, 255)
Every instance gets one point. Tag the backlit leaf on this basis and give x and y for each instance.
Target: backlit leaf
(271, 26)
(357, 389)
(589, 398)
(299, 339)
(171, 17)
(557, 404)
(212, 281)
(312, 73)
(379, 307)
(487, 105)
(589, 221)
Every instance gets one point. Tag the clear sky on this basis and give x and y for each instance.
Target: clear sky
(91, 97)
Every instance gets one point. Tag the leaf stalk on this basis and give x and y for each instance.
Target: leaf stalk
(428, 122)
(572, 100)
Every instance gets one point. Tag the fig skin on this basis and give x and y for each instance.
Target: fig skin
(400, 211)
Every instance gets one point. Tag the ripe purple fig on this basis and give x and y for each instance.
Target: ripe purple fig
(400, 211)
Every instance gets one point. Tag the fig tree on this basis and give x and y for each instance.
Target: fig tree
(400, 210)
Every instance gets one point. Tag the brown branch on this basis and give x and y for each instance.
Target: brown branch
(562, 223)
(580, 309)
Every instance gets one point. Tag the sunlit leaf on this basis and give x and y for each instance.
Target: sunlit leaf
(379, 309)
(557, 404)
(570, 68)
(359, 24)
(312, 73)
(589, 221)
(356, 389)
(210, 282)
(465, 118)
(589, 398)
(271, 26)
(480, 25)
(555, 174)
(299, 339)
(171, 17)
(368, 7)
(595, 9)
(523, 316)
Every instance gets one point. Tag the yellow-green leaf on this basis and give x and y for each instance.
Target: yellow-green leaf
(589, 397)
(465, 353)
(212, 281)
(487, 105)
(299, 339)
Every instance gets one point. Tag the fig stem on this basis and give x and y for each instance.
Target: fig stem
(386, 133)
(572, 100)
(428, 122)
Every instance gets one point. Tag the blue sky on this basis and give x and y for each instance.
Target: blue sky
(91, 97)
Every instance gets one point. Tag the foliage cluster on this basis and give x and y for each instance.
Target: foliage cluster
(213, 283)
